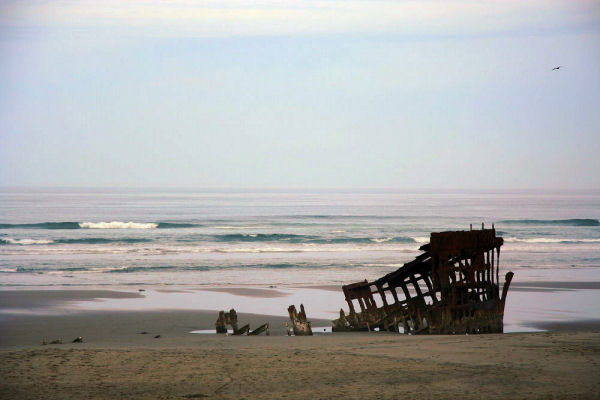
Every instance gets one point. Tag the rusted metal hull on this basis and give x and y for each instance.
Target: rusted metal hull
(452, 287)
(226, 318)
(260, 329)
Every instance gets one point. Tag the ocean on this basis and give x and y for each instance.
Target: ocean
(193, 239)
(59, 237)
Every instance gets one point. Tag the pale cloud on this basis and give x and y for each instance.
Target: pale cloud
(239, 18)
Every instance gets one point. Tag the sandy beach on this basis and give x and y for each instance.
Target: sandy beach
(117, 360)
(358, 366)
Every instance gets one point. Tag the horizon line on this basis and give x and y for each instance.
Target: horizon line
(283, 189)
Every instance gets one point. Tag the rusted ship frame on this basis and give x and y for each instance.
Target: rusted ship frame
(300, 324)
(452, 287)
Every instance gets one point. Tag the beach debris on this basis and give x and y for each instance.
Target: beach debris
(453, 287)
(143, 333)
(260, 329)
(141, 290)
(157, 336)
(300, 325)
(55, 341)
(78, 339)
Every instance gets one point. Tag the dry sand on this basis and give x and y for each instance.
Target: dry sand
(118, 362)
(357, 366)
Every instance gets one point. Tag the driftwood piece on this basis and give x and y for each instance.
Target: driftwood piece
(300, 324)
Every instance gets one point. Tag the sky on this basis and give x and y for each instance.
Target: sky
(300, 94)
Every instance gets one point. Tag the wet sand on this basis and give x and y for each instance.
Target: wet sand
(569, 326)
(36, 299)
(122, 328)
(118, 361)
(558, 285)
(248, 292)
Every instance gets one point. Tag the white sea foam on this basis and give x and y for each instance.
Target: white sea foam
(25, 242)
(549, 240)
(382, 240)
(384, 265)
(304, 249)
(147, 250)
(257, 250)
(234, 227)
(117, 225)
(421, 239)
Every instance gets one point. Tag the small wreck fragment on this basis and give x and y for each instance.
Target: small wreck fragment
(225, 319)
(230, 318)
(300, 324)
(260, 329)
(453, 287)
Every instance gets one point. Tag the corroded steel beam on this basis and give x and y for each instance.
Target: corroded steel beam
(300, 324)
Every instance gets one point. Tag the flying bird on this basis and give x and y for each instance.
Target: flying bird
(559, 67)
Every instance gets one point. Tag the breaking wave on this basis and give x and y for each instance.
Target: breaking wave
(549, 240)
(166, 268)
(176, 225)
(262, 237)
(557, 222)
(117, 225)
(421, 239)
(346, 216)
(102, 240)
(161, 268)
(124, 270)
(291, 238)
(25, 242)
(398, 239)
(100, 225)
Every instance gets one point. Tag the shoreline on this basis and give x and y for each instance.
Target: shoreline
(106, 317)
(132, 329)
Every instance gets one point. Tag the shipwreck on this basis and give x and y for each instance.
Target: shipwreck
(453, 287)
